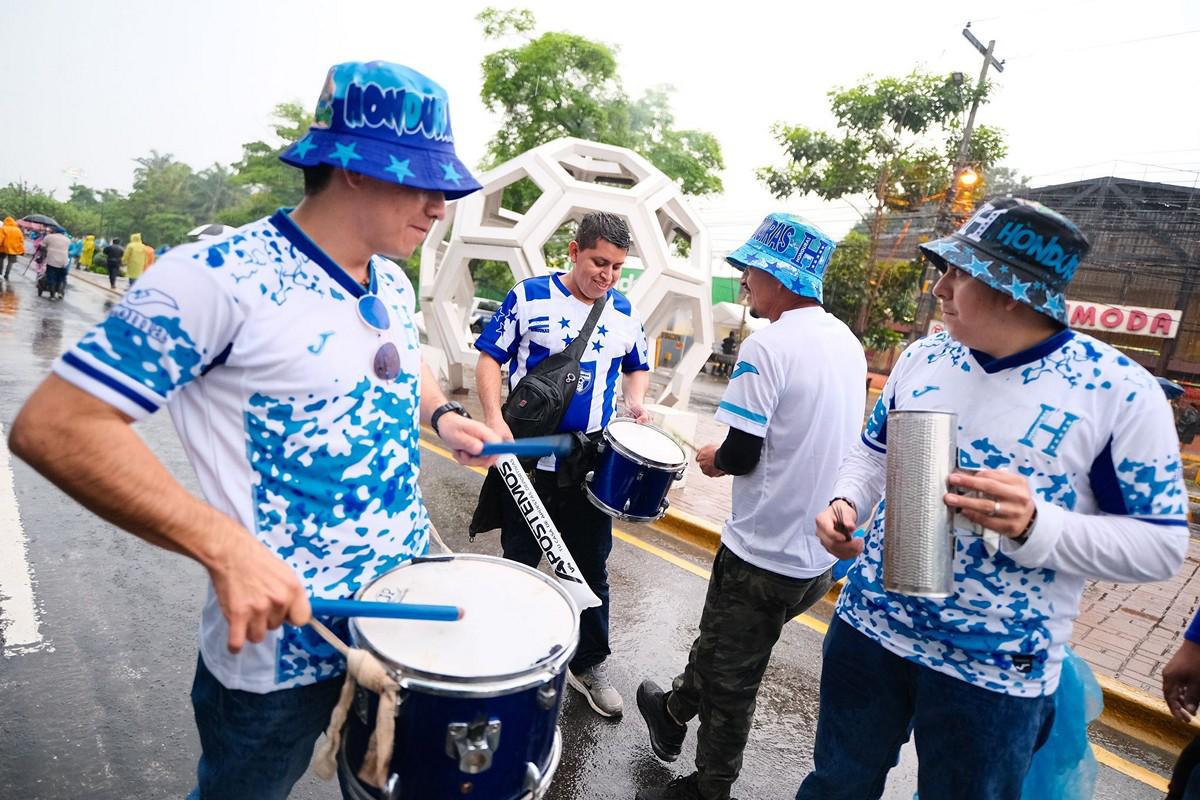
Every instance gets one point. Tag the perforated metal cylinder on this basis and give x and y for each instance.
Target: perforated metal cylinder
(918, 549)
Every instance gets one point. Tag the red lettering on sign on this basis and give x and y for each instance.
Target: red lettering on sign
(1083, 315)
(1161, 324)
(1112, 317)
(1137, 321)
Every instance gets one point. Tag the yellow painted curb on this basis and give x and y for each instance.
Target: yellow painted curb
(1127, 710)
(1144, 717)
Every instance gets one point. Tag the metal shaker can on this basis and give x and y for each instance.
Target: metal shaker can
(918, 536)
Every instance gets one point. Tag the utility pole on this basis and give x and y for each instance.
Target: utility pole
(943, 222)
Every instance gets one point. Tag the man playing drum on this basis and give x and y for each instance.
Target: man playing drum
(1078, 473)
(793, 406)
(287, 355)
(542, 316)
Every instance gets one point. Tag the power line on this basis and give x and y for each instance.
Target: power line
(1122, 42)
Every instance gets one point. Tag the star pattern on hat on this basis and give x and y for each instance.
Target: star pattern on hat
(303, 146)
(977, 267)
(1054, 303)
(450, 174)
(399, 168)
(1019, 289)
(345, 153)
(753, 259)
(943, 248)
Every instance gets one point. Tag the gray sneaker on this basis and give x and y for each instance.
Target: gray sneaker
(593, 684)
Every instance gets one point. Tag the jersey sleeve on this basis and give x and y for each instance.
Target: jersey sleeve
(165, 333)
(501, 337)
(753, 391)
(638, 358)
(1139, 473)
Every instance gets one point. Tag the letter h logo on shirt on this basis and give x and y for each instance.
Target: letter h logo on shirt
(1056, 433)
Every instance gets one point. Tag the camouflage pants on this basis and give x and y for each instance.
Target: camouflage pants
(744, 612)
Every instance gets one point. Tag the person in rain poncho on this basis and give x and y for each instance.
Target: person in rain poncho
(12, 244)
(134, 259)
(89, 250)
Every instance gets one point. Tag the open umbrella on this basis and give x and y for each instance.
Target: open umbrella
(42, 219)
(1170, 388)
(210, 230)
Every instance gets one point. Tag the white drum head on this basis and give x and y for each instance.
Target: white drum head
(647, 441)
(513, 619)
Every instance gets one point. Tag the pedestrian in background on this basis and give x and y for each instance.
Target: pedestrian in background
(12, 244)
(55, 248)
(89, 251)
(74, 252)
(134, 258)
(113, 255)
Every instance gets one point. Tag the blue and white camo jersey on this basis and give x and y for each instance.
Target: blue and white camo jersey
(1093, 434)
(255, 345)
(541, 317)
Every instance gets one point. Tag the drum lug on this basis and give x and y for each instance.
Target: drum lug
(588, 477)
(473, 744)
(391, 791)
(533, 778)
(546, 697)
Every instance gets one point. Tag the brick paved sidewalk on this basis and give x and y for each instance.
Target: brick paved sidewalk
(1125, 631)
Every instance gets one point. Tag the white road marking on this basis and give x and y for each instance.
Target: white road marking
(20, 628)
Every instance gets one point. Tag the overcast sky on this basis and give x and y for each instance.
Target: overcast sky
(1089, 88)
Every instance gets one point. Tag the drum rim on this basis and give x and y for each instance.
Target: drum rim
(453, 684)
(643, 460)
(621, 515)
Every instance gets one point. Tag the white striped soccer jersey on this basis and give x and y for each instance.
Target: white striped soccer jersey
(541, 317)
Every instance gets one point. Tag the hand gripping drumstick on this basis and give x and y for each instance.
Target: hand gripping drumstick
(548, 538)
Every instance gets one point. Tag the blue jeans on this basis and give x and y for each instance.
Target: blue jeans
(256, 746)
(587, 533)
(971, 742)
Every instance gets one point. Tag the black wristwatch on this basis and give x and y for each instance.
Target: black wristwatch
(444, 408)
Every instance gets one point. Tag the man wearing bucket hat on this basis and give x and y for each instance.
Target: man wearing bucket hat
(793, 407)
(287, 355)
(1078, 473)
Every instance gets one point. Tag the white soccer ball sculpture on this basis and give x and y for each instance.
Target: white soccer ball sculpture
(575, 176)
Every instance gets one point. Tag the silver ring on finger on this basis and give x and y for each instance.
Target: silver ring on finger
(995, 508)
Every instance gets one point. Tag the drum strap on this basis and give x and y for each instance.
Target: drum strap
(362, 669)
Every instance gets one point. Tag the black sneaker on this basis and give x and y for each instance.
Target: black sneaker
(678, 789)
(666, 735)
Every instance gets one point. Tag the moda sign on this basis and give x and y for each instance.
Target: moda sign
(1161, 323)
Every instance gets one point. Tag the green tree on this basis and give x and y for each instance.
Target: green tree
(560, 84)
(268, 182)
(850, 270)
(895, 146)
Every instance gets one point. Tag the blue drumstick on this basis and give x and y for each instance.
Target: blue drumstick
(558, 445)
(364, 608)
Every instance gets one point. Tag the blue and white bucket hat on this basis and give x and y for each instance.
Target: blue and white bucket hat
(1018, 247)
(388, 122)
(792, 250)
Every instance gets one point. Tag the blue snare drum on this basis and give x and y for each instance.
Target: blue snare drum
(637, 465)
(479, 698)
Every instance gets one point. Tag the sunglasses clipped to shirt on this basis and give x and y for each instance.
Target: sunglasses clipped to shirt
(374, 314)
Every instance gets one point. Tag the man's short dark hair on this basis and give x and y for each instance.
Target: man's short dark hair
(602, 225)
(316, 179)
(116, 240)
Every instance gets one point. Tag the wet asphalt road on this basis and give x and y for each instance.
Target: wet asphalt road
(100, 710)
